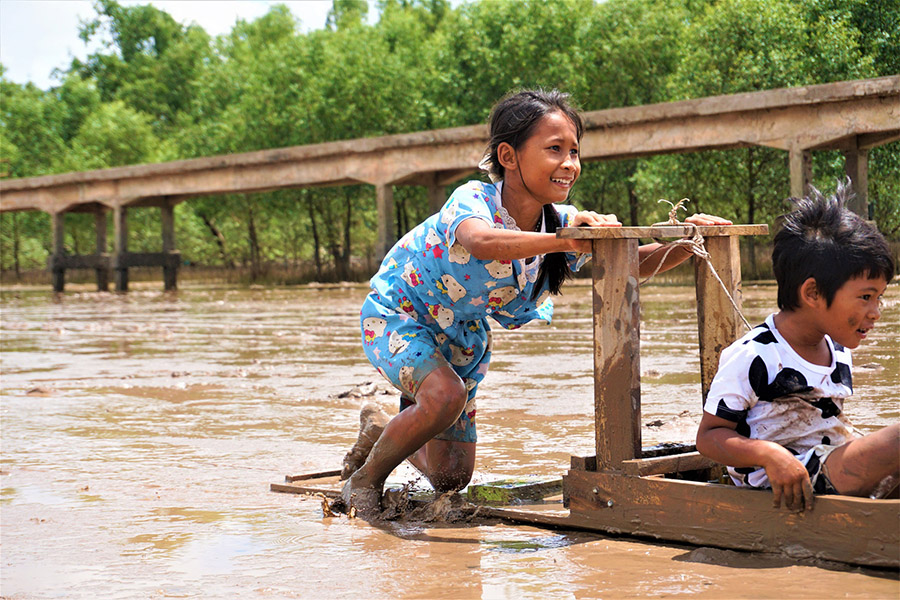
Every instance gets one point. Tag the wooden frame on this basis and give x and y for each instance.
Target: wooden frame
(623, 491)
(653, 492)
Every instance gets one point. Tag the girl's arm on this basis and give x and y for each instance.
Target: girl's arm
(675, 256)
(487, 243)
(718, 440)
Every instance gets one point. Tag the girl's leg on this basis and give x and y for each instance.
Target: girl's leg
(857, 467)
(372, 421)
(447, 464)
(440, 400)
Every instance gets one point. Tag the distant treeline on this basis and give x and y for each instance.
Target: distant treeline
(164, 91)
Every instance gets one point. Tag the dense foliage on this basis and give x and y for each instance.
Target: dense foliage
(161, 91)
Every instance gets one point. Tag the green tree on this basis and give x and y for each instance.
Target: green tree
(748, 45)
(150, 63)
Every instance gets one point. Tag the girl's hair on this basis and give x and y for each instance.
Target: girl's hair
(512, 121)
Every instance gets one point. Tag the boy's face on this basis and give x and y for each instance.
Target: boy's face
(854, 310)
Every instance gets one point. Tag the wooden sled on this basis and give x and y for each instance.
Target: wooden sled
(621, 490)
(664, 493)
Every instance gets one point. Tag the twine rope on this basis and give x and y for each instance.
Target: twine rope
(693, 244)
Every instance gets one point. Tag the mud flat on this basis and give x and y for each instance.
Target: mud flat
(141, 467)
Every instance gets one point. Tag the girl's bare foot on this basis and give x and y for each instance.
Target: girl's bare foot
(372, 421)
(363, 502)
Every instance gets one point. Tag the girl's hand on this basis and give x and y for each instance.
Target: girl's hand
(702, 219)
(789, 479)
(588, 218)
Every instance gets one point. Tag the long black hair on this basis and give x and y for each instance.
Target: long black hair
(512, 121)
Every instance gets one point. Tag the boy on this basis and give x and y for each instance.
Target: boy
(774, 413)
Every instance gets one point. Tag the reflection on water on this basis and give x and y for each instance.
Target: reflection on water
(140, 433)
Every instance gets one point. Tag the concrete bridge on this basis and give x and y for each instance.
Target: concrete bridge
(850, 116)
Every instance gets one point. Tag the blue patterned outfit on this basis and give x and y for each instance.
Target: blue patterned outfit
(430, 300)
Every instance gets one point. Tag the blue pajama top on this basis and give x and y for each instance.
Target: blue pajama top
(439, 284)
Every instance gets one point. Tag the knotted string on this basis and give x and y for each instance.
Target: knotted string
(694, 244)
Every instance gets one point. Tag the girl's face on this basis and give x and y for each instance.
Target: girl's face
(548, 163)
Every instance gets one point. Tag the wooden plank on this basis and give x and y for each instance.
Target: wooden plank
(79, 261)
(322, 482)
(513, 490)
(617, 379)
(717, 321)
(589, 463)
(583, 463)
(666, 448)
(841, 528)
(660, 465)
(316, 475)
(125, 260)
(659, 231)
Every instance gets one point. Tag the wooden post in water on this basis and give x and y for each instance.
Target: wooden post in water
(120, 262)
(717, 322)
(57, 259)
(102, 268)
(617, 370)
(436, 195)
(170, 267)
(801, 171)
(384, 204)
(856, 166)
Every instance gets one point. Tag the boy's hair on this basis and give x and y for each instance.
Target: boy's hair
(512, 121)
(824, 240)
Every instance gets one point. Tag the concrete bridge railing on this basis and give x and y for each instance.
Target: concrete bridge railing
(850, 116)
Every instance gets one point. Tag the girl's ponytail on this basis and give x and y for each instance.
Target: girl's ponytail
(554, 268)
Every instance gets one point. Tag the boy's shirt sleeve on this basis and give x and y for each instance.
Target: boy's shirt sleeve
(731, 394)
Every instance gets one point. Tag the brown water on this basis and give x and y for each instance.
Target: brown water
(140, 434)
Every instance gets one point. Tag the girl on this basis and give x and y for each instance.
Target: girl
(490, 252)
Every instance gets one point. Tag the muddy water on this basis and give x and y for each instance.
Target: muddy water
(140, 434)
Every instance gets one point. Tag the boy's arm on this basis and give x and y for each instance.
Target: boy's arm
(718, 440)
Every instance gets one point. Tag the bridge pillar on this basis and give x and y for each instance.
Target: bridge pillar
(102, 268)
(856, 166)
(436, 196)
(170, 267)
(120, 262)
(57, 259)
(384, 204)
(801, 171)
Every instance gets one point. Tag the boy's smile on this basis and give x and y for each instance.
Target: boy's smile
(854, 310)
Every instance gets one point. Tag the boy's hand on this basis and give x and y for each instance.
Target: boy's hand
(701, 219)
(790, 481)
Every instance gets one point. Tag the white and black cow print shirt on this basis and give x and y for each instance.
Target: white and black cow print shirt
(771, 393)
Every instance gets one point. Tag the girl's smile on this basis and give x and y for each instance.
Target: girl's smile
(547, 164)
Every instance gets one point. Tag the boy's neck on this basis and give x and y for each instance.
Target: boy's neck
(804, 335)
